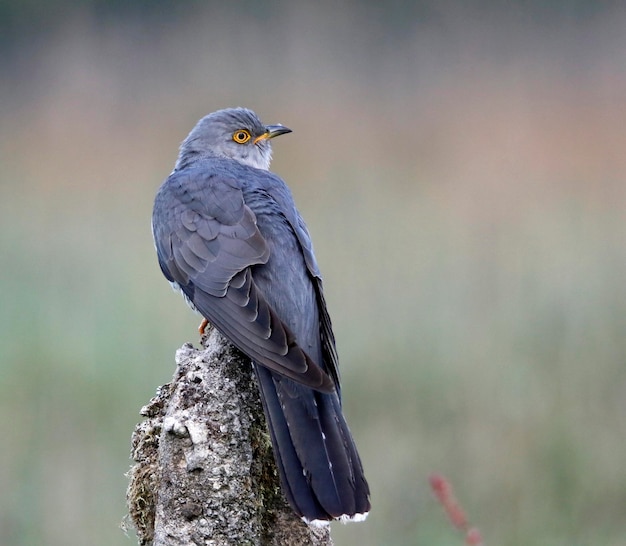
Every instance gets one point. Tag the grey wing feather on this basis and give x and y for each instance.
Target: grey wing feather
(207, 240)
(282, 195)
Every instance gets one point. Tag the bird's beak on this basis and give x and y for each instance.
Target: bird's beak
(272, 131)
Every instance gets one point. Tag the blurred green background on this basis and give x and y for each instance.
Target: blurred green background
(462, 171)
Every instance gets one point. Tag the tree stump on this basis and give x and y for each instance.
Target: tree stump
(204, 473)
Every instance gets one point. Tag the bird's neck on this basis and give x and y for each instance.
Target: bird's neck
(186, 158)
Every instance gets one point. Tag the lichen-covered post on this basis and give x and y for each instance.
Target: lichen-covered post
(204, 471)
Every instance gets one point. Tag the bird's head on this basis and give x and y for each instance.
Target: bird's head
(236, 133)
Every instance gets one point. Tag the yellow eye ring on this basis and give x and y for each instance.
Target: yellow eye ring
(241, 136)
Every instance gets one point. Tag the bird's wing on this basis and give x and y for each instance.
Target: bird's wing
(207, 240)
(282, 195)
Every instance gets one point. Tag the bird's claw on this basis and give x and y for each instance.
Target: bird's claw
(203, 326)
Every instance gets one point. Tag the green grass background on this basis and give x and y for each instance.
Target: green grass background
(462, 172)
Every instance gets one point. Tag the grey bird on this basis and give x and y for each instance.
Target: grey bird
(229, 236)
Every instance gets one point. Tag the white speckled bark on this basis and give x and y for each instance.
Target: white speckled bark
(204, 472)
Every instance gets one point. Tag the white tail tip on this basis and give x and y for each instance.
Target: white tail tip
(343, 519)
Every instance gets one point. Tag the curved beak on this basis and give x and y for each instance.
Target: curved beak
(272, 131)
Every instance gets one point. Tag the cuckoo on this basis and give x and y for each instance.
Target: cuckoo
(229, 237)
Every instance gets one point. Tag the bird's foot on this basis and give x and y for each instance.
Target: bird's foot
(203, 326)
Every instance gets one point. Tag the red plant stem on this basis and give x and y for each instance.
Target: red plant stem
(442, 489)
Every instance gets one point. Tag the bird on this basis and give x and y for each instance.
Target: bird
(228, 235)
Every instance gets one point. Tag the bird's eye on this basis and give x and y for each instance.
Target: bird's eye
(241, 136)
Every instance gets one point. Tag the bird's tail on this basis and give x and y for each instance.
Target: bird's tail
(320, 470)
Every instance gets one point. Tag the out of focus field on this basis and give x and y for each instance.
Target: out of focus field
(463, 174)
